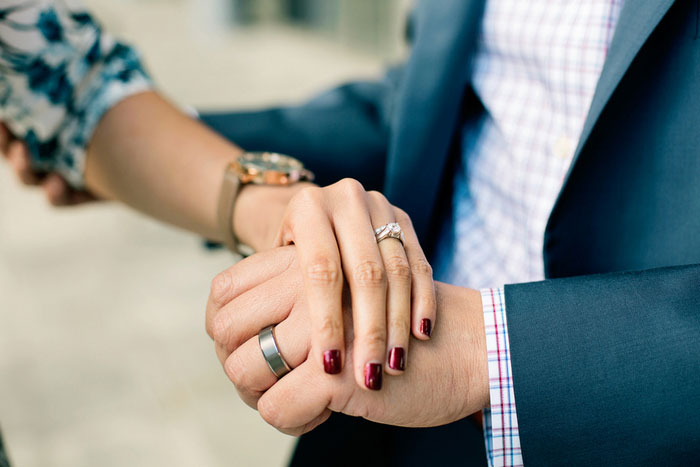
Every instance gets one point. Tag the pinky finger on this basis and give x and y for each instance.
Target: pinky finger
(222, 353)
(423, 301)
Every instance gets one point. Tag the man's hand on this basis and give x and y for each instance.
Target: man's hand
(446, 381)
(55, 188)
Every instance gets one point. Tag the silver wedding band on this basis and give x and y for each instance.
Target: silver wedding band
(271, 352)
(390, 230)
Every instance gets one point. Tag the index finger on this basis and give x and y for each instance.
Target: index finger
(320, 264)
(245, 275)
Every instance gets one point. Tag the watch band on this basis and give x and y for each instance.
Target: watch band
(230, 186)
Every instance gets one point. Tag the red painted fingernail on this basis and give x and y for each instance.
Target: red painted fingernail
(331, 362)
(397, 359)
(426, 327)
(373, 376)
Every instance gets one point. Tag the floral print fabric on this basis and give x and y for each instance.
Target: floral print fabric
(59, 73)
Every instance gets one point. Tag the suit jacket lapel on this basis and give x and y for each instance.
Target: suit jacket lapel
(436, 74)
(637, 21)
(429, 102)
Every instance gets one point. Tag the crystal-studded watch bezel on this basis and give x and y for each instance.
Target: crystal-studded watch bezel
(270, 168)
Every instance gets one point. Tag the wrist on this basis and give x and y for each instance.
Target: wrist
(468, 343)
(477, 334)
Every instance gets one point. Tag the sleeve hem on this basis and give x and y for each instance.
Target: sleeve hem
(77, 133)
(501, 434)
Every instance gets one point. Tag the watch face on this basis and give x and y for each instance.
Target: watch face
(271, 168)
(264, 161)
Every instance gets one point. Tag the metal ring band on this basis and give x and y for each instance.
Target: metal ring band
(271, 352)
(390, 230)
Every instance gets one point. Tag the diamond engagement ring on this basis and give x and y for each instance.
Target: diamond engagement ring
(390, 230)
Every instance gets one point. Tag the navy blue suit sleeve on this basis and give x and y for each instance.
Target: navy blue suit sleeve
(607, 368)
(340, 133)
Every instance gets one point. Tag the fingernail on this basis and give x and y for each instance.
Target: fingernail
(426, 327)
(397, 359)
(331, 362)
(373, 376)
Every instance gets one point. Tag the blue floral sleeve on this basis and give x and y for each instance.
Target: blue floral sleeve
(59, 73)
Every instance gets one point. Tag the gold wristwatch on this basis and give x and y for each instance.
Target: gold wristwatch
(261, 168)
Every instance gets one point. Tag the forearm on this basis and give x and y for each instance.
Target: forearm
(92, 121)
(150, 156)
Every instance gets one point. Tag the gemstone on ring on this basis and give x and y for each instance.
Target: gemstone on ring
(390, 230)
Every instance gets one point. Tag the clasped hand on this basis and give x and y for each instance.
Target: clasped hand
(336, 289)
(390, 283)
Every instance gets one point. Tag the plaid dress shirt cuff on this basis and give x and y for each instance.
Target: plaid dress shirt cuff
(500, 420)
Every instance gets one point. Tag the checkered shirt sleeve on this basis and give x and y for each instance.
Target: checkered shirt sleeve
(500, 420)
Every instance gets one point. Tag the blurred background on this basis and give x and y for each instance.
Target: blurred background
(103, 356)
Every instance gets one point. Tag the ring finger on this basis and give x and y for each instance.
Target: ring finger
(247, 369)
(398, 300)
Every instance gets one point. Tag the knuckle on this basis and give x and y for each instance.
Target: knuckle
(402, 217)
(311, 194)
(238, 371)
(209, 326)
(351, 187)
(369, 274)
(221, 287)
(377, 196)
(421, 267)
(269, 411)
(374, 337)
(351, 184)
(330, 327)
(306, 197)
(399, 325)
(397, 268)
(235, 370)
(426, 302)
(220, 326)
(250, 398)
(323, 272)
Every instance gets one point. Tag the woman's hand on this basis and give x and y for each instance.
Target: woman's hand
(259, 211)
(446, 381)
(55, 188)
(390, 284)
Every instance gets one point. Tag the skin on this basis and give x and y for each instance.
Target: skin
(447, 380)
(147, 154)
(333, 231)
(55, 188)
